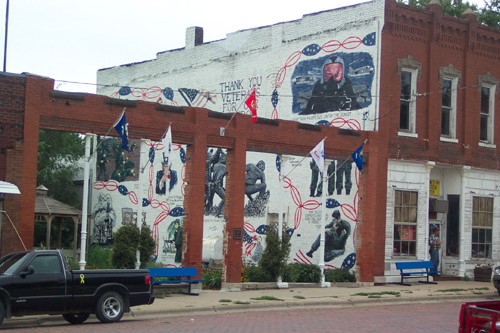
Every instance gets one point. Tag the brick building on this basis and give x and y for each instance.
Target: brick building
(402, 67)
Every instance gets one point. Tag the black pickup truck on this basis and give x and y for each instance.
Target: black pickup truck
(40, 282)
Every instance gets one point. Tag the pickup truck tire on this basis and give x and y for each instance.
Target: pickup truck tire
(110, 307)
(76, 318)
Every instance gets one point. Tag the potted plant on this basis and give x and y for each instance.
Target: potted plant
(482, 272)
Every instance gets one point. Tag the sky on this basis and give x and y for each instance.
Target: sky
(69, 40)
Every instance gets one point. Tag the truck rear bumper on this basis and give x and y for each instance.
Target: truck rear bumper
(141, 298)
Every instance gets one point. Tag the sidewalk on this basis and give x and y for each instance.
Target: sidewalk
(338, 295)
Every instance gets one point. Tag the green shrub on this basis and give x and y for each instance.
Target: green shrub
(255, 274)
(275, 255)
(72, 263)
(99, 257)
(213, 279)
(126, 240)
(339, 275)
(147, 245)
(297, 272)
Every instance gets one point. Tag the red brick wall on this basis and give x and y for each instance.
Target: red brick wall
(435, 40)
(12, 92)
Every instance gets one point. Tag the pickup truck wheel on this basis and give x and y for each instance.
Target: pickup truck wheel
(110, 307)
(76, 318)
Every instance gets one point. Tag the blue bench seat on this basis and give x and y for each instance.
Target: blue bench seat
(175, 275)
(415, 269)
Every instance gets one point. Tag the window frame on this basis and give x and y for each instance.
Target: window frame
(414, 68)
(411, 101)
(491, 83)
(479, 218)
(450, 74)
(490, 114)
(405, 245)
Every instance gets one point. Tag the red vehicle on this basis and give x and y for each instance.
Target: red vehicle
(480, 317)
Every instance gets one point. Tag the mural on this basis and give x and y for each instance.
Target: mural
(115, 163)
(336, 82)
(302, 217)
(336, 234)
(104, 220)
(173, 242)
(152, 189)
(215, 183)
(256, 189)
(214, 222)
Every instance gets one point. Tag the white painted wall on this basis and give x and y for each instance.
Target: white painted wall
(411, 175)
(276, 58)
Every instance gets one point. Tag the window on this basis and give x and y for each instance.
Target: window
(487, 89)
(482, 227)
(405, 223)
(486, 129)
(407, 101)
(46, 264)
(409, 71)
(448, 107)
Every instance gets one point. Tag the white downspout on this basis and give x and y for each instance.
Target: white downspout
(429, 167)
(461, 255)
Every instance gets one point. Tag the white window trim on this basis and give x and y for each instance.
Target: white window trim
(409, 135)
(447, 139)
(486, 145)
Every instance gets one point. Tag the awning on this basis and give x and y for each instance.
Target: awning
(6, 187)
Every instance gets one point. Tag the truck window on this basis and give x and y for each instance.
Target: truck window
(46, 264)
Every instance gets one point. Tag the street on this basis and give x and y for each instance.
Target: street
(387, 318)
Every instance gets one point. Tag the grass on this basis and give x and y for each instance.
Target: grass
(476, 291)
(299, 297)
(450, 290)
(267, 298)
(378, 294)
(225, 300)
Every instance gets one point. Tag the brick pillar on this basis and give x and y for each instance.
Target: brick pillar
(235, 201)
(195, 194)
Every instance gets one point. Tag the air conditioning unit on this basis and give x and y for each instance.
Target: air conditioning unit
(438, 206)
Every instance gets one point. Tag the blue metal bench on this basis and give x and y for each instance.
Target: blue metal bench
(415, 269)
(174, 275)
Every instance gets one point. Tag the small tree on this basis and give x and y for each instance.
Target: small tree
(147, 245)
(126, 240)
(275, 255)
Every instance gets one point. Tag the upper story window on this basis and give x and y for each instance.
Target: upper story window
(409, 71)
(449, 85)
(487, 85)
(407, 102)
(485, 131)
